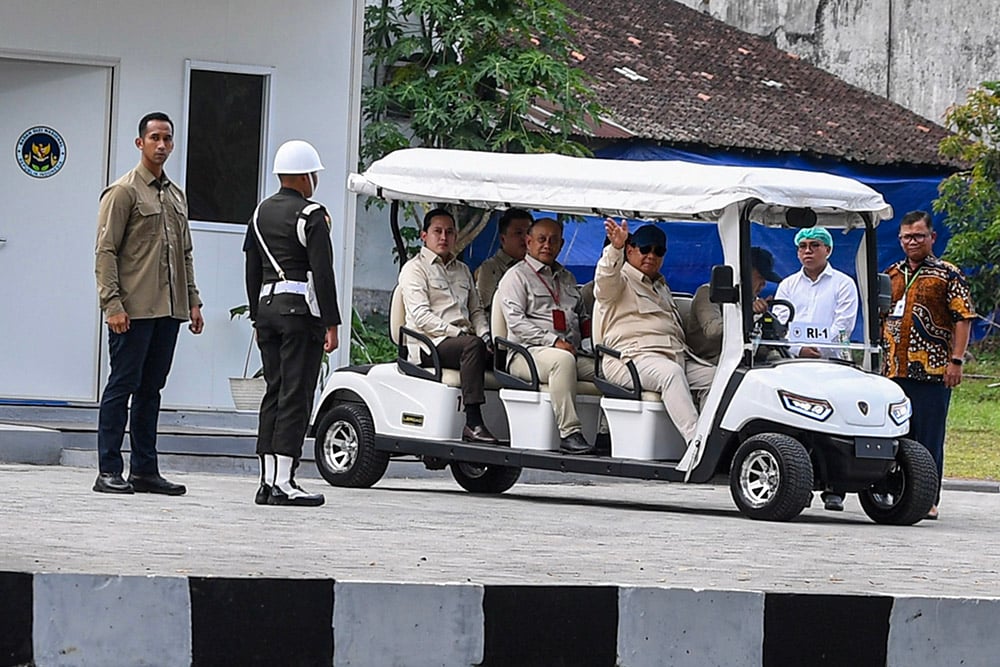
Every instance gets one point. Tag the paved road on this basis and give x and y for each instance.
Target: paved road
(429, 530)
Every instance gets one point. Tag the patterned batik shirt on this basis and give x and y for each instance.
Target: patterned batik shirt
(917, 335)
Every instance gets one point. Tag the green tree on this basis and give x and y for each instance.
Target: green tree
(970, 199)
(473, 74)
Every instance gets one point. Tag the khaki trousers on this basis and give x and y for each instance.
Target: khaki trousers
(674, 380)
(560, 370)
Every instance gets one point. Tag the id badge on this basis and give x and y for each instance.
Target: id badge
(897, 310)
(558, 320)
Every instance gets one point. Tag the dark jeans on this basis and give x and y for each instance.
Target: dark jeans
(930, 401)
(466, 354)
(291, 348)
(140, 362)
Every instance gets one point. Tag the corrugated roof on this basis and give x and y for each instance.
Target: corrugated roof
(671, 74)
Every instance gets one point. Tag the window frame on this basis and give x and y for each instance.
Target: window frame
(266, 73)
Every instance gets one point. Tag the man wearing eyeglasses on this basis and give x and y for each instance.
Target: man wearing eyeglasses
(640, 319)
(826, 307)
(926, 332)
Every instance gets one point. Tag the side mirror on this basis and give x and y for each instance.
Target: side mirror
(721, 289)
(884, 293)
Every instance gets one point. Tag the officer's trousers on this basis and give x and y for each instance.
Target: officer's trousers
(291, 349)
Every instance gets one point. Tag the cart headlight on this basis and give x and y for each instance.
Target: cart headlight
(814, 408)
(900, 412)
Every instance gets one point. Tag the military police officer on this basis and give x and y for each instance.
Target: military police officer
(293, 303)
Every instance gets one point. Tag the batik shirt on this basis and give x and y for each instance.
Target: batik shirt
(918, 335)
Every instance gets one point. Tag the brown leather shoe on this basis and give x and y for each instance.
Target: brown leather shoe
(479, 434)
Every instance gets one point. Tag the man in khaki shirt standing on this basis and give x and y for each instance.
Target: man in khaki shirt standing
(145, 282)
(513, 227)
(543, 309)
(639, 319)
(442, 303)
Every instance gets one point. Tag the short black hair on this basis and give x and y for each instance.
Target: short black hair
(433, 213)
(913, 217)
(155, 115)
(511, 215)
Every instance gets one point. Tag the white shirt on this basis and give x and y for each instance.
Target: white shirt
(830, 304)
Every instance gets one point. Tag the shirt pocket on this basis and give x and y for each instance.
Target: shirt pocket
(147, 223)
(647, 305)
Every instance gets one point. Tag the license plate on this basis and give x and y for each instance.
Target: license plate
(875, 448)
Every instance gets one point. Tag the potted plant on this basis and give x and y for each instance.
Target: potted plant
(247, 390)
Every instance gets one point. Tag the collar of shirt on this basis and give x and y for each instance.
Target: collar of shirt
(636, 274)
(149, 179)
(505, 259)
(291, 192)
(827, 272)
(428, 256)
(554, 269)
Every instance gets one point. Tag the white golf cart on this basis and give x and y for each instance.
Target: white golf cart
(780, 428)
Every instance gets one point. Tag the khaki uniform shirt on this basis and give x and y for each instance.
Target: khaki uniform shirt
(488, 276)
(703, 328)
(638, 315)
(144, 265)
(529, 292)
(440, 298)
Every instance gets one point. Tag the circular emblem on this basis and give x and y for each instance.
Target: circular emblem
(41, 152)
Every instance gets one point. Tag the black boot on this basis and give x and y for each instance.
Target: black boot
(285, 491)
(267, 466)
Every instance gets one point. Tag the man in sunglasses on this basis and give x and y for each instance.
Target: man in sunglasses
(640, 319)
(926, 332)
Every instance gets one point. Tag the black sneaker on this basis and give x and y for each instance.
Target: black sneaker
(575, 443)
(112, 482)
(263, 493)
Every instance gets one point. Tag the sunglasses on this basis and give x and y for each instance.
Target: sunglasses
(657, 250)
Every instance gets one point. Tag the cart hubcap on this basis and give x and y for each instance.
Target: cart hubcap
(340, 447)
(890, 491)
(472, 470)
(759, 478)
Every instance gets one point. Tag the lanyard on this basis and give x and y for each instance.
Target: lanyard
(909, 280)
(553, 294)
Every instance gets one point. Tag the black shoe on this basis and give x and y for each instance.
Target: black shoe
(479, 434)
(156, 484)
(263, 493)
(833, 502)
(575, 443)
(298, 498)
(602, 444)
(112, 482)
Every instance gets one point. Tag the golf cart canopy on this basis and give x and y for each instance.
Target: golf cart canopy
(652, 190)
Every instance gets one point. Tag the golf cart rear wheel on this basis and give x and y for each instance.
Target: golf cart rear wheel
(771, 477)
(345, 447)
(907, 492)
(483, 478)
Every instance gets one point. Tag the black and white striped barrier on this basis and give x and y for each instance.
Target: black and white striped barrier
(82, 619)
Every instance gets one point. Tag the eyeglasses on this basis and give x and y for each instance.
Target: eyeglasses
(657, 250)
(913, 238)
(810, 245)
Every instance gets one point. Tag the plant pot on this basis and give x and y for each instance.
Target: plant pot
(247, 393)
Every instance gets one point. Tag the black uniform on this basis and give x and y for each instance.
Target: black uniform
(289, 337)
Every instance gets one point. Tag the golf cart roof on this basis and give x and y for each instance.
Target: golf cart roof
(654, 190)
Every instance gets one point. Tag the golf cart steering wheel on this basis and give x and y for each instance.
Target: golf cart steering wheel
(771, 328)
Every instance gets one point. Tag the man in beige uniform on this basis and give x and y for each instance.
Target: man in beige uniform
(442, 303)
(639, 319)
(542, 306)
(513, 227)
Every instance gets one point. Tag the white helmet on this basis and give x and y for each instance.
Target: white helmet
(296, 157)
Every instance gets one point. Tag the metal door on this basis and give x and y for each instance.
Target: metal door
(54, 147)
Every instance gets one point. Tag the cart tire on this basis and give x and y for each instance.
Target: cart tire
(484, 478)
(772, 477)
(345, 447)
(907, 492)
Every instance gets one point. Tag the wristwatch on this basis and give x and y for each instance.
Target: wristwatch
(957, 361)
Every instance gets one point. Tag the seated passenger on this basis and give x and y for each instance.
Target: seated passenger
(704, 325)
(513, 226)
(442, 303)
(825, 299)
(640, 320)
(542, 306)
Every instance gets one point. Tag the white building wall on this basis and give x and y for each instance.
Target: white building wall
(312, 48)
(922, 54)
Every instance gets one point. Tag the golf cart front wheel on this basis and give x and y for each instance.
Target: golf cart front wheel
(771, 477)
(345, 447)
(907, 493)
(484, 478)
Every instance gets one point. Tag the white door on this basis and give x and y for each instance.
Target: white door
(54, 134)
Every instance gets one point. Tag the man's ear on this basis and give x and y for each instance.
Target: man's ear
(138, 143)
